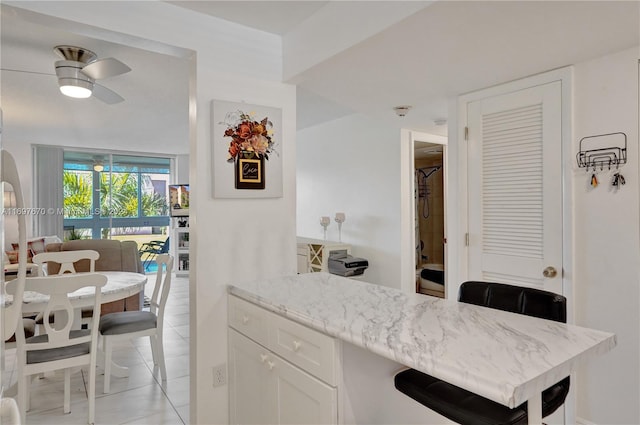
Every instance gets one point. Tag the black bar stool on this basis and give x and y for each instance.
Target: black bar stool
(465, 407)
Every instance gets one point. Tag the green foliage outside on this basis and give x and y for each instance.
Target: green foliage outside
(121, 201)
(77, 194)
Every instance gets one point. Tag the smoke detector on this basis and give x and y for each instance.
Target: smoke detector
(401, 111)
(440, 121)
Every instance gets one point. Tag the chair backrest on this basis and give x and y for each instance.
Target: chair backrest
(67, 260)
(165, 246)
(58, 287)
(516, 299)
(162, 286)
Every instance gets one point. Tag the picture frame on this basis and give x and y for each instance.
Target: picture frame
(246, 147)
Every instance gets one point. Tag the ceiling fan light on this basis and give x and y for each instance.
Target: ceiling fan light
(72, 81)
(76, 91)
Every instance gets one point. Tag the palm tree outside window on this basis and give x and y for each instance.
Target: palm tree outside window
(116, 196)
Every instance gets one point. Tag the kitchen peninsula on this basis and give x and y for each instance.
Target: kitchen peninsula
(289, 333)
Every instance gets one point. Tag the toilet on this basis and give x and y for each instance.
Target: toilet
(430, 277)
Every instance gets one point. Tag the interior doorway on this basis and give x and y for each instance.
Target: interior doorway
(429, 214)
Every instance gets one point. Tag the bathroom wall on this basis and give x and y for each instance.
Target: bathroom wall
(432, 228)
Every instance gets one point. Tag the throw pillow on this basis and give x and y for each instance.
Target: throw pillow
(36, 246)
(30, 254)
(13, 257)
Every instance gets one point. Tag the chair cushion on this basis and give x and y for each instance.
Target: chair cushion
(52, 354)
(466, 407)
(127, 322)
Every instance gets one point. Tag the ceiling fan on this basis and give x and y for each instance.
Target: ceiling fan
(79, 69)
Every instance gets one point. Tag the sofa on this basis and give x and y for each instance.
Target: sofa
(34, 246)
(115, 255)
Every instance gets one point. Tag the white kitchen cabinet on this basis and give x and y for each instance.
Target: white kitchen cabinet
(250, 381)
(280, 372)
(264, 388)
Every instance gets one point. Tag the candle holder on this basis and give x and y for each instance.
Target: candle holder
(340, 217)
(324, 222)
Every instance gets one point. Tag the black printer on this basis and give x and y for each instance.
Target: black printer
(346, 265)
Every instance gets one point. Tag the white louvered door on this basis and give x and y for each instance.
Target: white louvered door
(515, 188)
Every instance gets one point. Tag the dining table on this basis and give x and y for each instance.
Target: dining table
(119, 285)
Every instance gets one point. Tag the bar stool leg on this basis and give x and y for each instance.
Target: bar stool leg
(534, 408)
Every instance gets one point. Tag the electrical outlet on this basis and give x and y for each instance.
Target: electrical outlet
(220, 375)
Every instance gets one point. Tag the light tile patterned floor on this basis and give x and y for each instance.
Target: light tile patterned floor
(141, 398)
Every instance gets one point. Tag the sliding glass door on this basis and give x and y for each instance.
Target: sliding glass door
(110, 196)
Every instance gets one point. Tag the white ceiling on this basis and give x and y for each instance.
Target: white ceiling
(276, 17)
(441, 51)
(34, 111)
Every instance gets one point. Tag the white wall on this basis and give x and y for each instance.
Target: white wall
(607, 255)
(352, 165)
(182, 169)
(231, 240)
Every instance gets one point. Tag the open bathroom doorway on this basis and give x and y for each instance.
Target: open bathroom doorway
(429, 214)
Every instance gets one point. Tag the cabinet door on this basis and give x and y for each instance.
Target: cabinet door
(249, 381)
(301, 398)
(266, 389)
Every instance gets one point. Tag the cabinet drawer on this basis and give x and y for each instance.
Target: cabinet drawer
(306, 348)
(248, 319)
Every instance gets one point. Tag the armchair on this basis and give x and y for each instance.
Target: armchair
(152, 249)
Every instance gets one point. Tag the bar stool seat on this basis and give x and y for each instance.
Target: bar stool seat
(465, 407)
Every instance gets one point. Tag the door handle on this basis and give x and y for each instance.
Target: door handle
(550, 272)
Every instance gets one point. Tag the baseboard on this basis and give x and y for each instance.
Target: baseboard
(582, 421)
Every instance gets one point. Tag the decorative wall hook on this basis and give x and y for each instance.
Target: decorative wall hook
(602, 149)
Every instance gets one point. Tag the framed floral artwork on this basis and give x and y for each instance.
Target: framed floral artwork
(246, 150)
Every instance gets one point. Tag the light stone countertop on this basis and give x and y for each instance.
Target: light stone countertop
(503, 356)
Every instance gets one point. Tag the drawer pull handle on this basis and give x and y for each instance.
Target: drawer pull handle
(271, 365)
(263, 358)
(296, 346)
(245, 320)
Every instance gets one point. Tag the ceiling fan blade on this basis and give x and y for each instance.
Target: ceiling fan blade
(106, 95)
(105, 68)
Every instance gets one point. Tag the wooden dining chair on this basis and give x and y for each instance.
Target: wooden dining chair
(59, 347)
(65, 262)
(125, 325)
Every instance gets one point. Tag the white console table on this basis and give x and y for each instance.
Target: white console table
(313, 254)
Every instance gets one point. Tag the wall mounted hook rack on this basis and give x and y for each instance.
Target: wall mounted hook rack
(602, 150)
